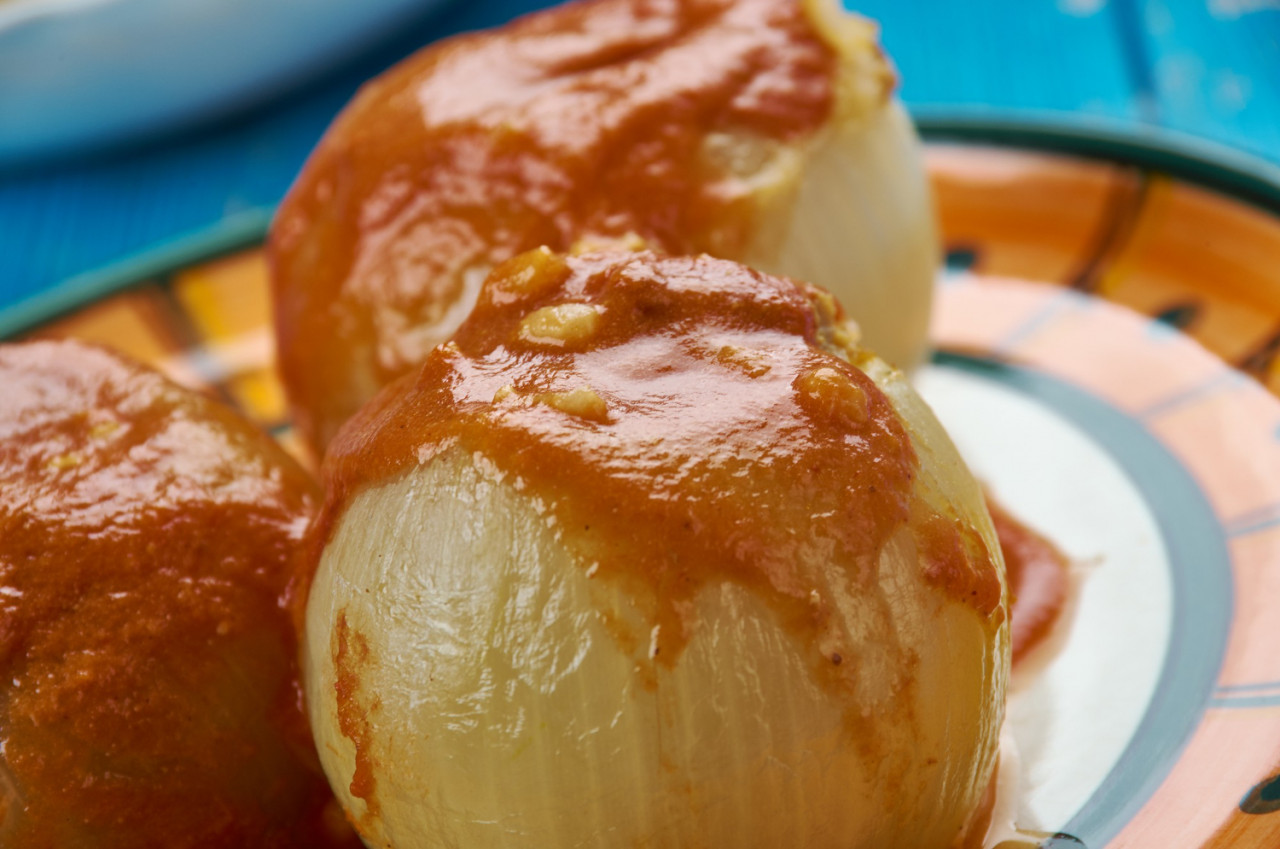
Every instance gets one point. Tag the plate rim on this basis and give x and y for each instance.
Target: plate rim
(1193, 159)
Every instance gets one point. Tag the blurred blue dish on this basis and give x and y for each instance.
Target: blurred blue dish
(77, 74)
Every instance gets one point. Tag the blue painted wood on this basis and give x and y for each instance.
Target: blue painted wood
(1216, 69)
(1209, 67)
(1006, 54)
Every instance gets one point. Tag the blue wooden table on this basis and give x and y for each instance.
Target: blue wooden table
(1210, 68)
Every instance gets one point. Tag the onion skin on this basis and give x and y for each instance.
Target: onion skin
(861, 226)
(483, 671)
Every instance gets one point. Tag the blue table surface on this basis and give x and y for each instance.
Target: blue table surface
(1210, 68)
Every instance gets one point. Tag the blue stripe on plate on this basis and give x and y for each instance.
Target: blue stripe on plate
(1245, 702)
(1063, 301)
(1219, 382)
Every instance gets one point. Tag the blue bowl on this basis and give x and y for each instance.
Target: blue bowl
(77, 74)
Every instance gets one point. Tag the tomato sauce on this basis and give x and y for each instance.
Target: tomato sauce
(151, 693)
(1038, 580)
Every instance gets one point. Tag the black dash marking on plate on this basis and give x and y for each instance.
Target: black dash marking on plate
(1258, 361)
(1181, 315)
(1264, 798)
(961, 258)
(1125, 205)
(1062, 841)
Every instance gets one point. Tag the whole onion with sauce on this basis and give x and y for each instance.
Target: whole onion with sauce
(150, 689)
(651, 553)
(763, 131)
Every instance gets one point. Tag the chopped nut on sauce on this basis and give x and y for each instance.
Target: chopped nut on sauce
(103, 429)
(827, 393)
(532, 273)
(562, 324)
(66, 461)
(750, 363)
(583, 402)
(630, 242)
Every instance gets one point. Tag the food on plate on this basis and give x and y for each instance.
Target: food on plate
(1039, 577)
(763, 131)
(652, 553)
(149, 660)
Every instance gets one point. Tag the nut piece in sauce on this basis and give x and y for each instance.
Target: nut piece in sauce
(763, 131)
(151, 693)
(746, 607)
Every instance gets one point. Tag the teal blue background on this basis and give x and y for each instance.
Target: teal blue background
(1207, 67)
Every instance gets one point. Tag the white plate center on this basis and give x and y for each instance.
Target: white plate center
(1073, 718)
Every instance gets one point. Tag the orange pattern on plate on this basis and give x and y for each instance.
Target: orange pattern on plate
(1028, 215)
(1204, 263)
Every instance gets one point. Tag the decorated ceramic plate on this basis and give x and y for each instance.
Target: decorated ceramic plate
(1108, 346)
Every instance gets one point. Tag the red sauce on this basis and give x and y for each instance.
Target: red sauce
(1037, 573)
(955, 558)
(150, 692)
(351, 654)
(683, 424)
(587, 120)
